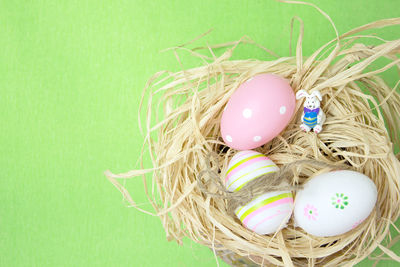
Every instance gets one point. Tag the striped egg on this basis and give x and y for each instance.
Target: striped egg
(268, 212)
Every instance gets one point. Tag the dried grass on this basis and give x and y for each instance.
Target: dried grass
(361, 130)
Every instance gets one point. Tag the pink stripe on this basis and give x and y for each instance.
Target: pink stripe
(244, 165)
(268, 218)
(240, 157)
(269, 206)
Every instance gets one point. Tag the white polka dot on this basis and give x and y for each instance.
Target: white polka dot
(282, 110)
(256, 138)
(229, 138)
(247, 113)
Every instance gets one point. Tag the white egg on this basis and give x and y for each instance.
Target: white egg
(264, 214)
(334, 203)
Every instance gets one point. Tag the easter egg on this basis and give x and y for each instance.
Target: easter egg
(257, 112)
(334, 203)
(268, 212)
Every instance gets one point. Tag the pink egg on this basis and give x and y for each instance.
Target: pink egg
(257, 112)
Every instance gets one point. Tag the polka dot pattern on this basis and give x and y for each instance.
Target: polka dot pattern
(247, 113)
(256, 138)
(258, 111)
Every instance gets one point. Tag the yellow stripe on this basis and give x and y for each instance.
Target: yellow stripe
(240, 187)
(250, 173)
(243, 161)
(263, 203)
(310, 119)
(237, 212)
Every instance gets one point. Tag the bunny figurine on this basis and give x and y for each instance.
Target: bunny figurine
(313, 117)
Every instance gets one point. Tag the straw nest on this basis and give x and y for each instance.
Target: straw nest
(361, 131)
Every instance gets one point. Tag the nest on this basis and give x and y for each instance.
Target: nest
(361, 131)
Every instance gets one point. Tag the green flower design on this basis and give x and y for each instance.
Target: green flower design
(340, 201)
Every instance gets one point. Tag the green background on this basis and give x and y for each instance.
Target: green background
(71, 75)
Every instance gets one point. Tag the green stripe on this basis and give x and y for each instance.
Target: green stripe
(240, 187)
(239, 210)
(243, 161)
(250, 173)
(263, 203)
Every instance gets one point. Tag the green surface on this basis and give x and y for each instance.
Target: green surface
(71, 74)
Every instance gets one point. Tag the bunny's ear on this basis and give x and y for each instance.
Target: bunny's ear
(317, 94)
(301, 94)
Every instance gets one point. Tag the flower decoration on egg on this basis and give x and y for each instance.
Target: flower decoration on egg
(311, 212)
(351, 194)
(340, 201)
